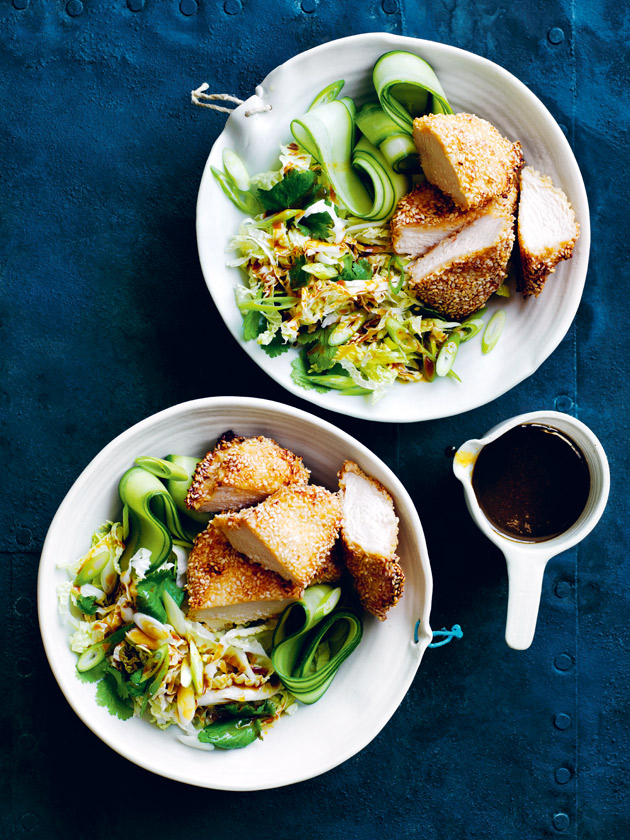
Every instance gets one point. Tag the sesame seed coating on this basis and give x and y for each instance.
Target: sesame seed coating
(218, 576)
(465, 157)
(378, 577)
(292, 531)
(241, 472)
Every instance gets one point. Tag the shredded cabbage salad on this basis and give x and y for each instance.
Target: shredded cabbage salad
(330, 284)
(176, 671)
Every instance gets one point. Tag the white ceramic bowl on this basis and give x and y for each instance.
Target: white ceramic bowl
(534, 327)
(356, 706)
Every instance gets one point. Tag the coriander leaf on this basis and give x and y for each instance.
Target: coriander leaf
(150, 591)
(297, 276)
(94, 674)
(291, 191)
(299, 375)
(252, 323)
(276, 347)
(244, 710)
(107, 696)
(317, 225)
(321, 356)
(355, 270)
(87, 605)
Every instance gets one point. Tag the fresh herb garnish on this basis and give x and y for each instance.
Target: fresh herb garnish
(317, 225)
(299, 374)
(355, 269)
(86, 604)
(298, 278)
(276, 347)
(150, 592)
(291, 191)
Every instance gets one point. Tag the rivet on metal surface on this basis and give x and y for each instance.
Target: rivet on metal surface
(232, 7)
(135, 5)
(188, 7)
(20, 4)
(23, 606)
(563, 589)
(30, 822)
(390, 7)
(24, 667)
(563, 402)
(555, 35)
(74, 8)
(561, 822)
(450, 451)
(563, 775)
(563, 662)
(562, 721)
(24, 536)
(309, 6)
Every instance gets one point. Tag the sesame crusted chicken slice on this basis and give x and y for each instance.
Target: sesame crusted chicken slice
(241, 472)
(226, 588)
(291, 532)
(459, 275)
(369, 534)
(547, 230)
(466, 157)
(426, 216)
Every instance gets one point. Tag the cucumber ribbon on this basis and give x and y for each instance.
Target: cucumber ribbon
(151, 517)
(307, 656)
(327, 134)
(407, 87)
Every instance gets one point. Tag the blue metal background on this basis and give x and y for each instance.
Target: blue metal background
(101, 156)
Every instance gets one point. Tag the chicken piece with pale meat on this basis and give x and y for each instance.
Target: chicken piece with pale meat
(547, 230)
(291, 532)
(466, 157)
(241, 471)
(459, 275)
(226, 588)
(369, 534)
(426, 216)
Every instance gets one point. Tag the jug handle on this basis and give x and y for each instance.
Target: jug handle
(525, 577)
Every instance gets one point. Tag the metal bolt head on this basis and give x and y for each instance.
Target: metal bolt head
(555, 35)
(562, 721)
(561, 822)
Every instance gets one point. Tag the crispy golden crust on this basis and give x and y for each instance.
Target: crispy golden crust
(466, 157)
(427, 206)
(378, 577)
(331, 568)
(536, 265)
(242, 471)
(292, 531)
(220, 576)
(461, 286)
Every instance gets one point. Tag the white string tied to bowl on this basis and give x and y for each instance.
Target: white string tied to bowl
(206, 100)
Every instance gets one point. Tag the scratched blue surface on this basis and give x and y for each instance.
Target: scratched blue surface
(101, 157)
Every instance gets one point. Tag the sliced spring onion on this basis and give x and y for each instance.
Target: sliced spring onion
(339, 382)
(389, 186)
(90, 658)
(492, 332)
(469, 328)
(407, 87)
(235, 169)
(447, 354)
(326, 95)
(245, 201)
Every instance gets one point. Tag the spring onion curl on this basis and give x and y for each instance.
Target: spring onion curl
(307, 657)
(153, 520)
(407, 87)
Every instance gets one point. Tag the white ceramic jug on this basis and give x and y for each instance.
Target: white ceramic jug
(526, 561)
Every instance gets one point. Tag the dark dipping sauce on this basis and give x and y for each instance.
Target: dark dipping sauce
(532, 483)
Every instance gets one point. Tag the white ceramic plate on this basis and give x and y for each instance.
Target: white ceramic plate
(356, 706)
(534, 327)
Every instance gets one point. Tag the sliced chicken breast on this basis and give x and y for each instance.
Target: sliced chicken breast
(547, 230)
(226, 588)
(466, 157)
(241, 472)
(291, 532)
(459, 275)
(426, 216)
(369, 534)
